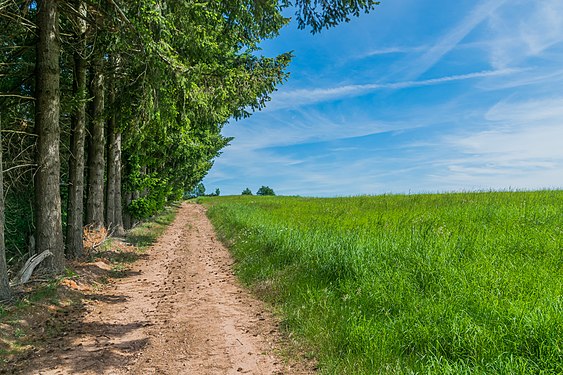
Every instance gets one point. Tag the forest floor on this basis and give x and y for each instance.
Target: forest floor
(178, 309)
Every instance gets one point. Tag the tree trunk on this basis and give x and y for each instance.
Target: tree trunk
(114, 218)
(74, 243)
(119, 227)
(110, 185)
(127, 219)
(49, 234)
(95, 203)
(4, 280)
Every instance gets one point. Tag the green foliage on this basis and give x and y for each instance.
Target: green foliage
(265, 190)
(246, 191)
(199, 69)
(199, 191)
(320, 15)
(19, 224)
(434, 284)
(179, 70)
(142, 208)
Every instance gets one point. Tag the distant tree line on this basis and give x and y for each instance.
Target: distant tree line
(264, 190)
(111, 108)
(199, 191)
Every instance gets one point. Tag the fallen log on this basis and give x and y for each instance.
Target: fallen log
(25, 273)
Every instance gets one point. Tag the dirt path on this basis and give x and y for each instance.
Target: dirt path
(181, 311)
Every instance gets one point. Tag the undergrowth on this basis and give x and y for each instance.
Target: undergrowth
(430, 284)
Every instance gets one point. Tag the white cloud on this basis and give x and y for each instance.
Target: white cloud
(293, 127)
(390, 51)
(301, 97)
(543, 77)
(522, 148)
(447, 43)
(513, 143)
(528, 30)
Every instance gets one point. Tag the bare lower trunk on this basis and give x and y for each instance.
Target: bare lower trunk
(118, 199)
(127, 220)
(95, 203)
(119, 227)
(114, 217)
(4, 280)
(49, 235)
(110, 185)
(74, 242)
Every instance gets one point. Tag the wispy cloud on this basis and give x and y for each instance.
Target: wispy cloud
(301, 97)
(529, 77)
(538, 29)
(390, 51)
(480, 13)
(299, 127)
(521, 148)
(497, 127)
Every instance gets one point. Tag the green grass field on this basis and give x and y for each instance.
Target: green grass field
(431, 284)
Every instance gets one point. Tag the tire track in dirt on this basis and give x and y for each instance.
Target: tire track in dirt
(181, 312)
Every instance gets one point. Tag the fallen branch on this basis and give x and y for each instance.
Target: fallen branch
(95, 237)
(27, 270)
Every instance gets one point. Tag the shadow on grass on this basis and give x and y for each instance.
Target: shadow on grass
(146, 234)
(120, 256)
(141, 240)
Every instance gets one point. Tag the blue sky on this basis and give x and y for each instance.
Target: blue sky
(413, 97)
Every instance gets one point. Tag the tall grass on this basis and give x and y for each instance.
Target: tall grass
(452, 283)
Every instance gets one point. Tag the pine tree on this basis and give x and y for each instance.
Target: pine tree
(49, 235)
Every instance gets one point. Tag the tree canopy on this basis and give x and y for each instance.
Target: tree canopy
(265, 190)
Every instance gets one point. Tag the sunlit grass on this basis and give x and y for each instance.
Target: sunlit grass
(451, 283)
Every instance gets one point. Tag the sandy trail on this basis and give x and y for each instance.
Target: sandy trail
(181, 311)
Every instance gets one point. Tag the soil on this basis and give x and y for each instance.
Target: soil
(178, 310)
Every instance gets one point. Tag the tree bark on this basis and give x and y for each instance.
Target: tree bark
(49, 234)
(110, 185)
(118, 200)
(127, 219)
(114, 217)
(4, 280)
(74, 243)
(95, 202)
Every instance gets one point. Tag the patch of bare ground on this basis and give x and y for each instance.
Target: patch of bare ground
(178, 309)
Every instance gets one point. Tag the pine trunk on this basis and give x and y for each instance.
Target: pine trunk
(95, 202)
(114, 218)
(127, 219)
(110, 185)
(4, 281)
(118, 214)
(75, 247)
(49, 234)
